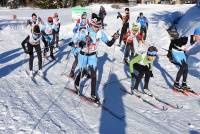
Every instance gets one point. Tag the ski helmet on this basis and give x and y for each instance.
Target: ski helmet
(36, 29)
(95, 20)
(152, 51)
(135, 27)
(50, 19)
(197, 31)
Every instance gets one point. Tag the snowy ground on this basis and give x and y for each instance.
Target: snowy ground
(48, 108)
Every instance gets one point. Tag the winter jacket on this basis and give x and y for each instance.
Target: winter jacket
(142, 60)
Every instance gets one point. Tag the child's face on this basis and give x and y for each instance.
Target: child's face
(197, 38)
(151, 58)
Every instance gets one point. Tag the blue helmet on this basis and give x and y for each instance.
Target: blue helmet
(197, 31)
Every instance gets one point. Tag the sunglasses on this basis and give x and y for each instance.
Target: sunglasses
(153, 53)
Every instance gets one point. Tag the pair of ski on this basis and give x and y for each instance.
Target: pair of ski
(98, 103)
(186, 92)
(163, 108)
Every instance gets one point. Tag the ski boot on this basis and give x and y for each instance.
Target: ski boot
(31, 73)
(176, 86)
(77, 89)
(136, 92)
(52, 57)
(184, 86)
(148, 92)
(72, 75)
(95, 99)
(40, 73)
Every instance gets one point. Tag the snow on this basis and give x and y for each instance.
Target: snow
(50, 109)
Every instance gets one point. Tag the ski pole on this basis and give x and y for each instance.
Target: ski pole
(68, 55)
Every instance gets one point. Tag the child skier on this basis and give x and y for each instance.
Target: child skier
(80, 22)
(102, 14)
(48, 36)
(56, 22)
(131, 38)
(178, 55)
(125, 24)
(30, 42)
(143, 64)
(144, 24)
(87, 59)
(77, 44)
(34, 21)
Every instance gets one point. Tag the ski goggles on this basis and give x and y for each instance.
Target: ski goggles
(153, 53)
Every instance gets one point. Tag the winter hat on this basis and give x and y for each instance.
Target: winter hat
(197, 31)
(50, 19)
(95, 20)
(36, 29)
(135, 27)
(83, 14)
(152, 51)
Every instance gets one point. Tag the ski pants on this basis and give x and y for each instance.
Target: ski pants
(183, 71)
(129, 47)
(142, 70)
(47, 45)
(143, 30)
(56, 38)
(31, 54)
(87, 63)
(123, 31)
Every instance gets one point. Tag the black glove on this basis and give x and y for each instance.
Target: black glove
(116, 35)
(82, 44)
(26, 51)
(46, 49)
(71, 44)
(119, 15)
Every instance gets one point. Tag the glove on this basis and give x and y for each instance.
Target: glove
(46, 49)
(26, 51)
(82, 44)
(119, 15)
(71, 44)
(116, 35)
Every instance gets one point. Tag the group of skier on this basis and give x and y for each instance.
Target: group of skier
(88, 34)
(47, 32)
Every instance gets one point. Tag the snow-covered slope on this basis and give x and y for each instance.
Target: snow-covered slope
(48, 108)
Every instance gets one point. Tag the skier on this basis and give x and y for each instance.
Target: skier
(143, 64)
(87, 60)
(131, 38)
(144, 24)
(178, 54)
(80, 22)
(102, 14)
(34, 21)
(77, 44)
(30, 42)
(125, 24)
(48, 36)
(57, 23)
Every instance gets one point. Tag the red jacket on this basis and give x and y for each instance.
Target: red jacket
(128, 39)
